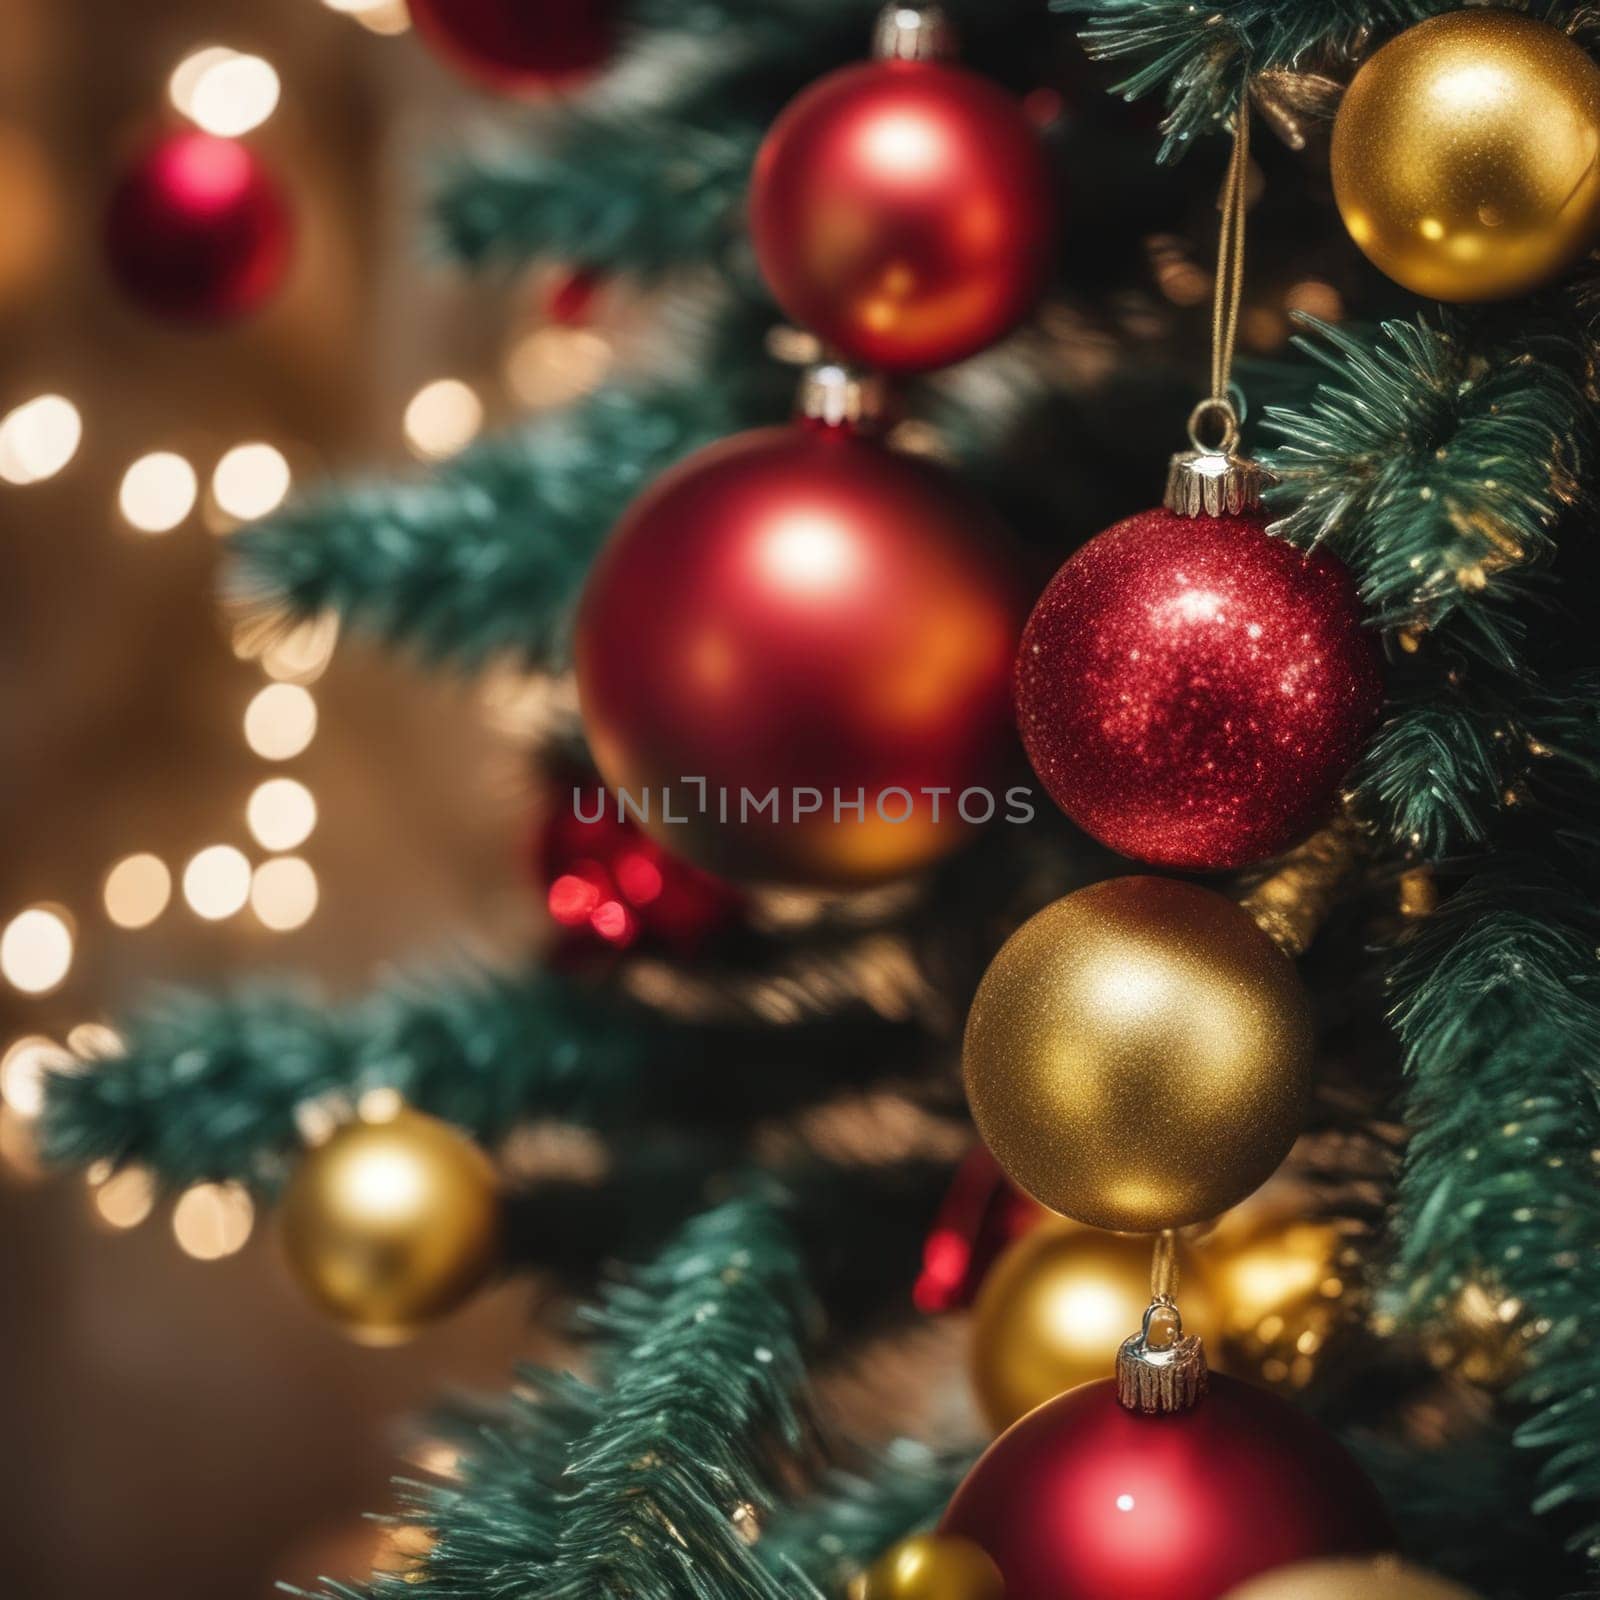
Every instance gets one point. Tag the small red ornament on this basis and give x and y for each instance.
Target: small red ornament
(1086, 1500)
(1192, 690)
(198, 228)
(904, 211)
(807, 637)
(982, 1213)
(608, 886)
(519, 47)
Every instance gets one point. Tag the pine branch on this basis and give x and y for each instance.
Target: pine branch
(1436, 470)
(1202, 56)
(208, 1087)
(853, 1517)
(488, 555)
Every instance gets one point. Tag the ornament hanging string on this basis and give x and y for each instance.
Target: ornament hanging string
(1228, 294)
(1164, 1268)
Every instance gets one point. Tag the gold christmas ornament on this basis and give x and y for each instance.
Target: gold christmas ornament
(1138, 1055)
(1055, 1309)
(390, 1224)
(1465, 155)
(930, 1566)
(1350, 1578)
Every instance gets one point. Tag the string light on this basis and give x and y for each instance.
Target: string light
(216, 882)
(23, 1069)
(158, 491)
(94, 1041)
(126, 1198)
(380, 16)
(302, 654)
(137, 890)
(280, 721)
(251, 480)
(283, 893)
(213, 1220)
(38, 438)
(442, 418)
(281, 814)
(36, 950)
(223, 91)
(554, 366)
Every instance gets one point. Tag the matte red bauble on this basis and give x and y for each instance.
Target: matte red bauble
(608, 886)
(519, 46)
(1086, 1500)
(1192, 691)
(198, 228)
(807, 637)
(904, 212)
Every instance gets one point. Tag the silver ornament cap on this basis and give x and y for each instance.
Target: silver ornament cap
(913, 33)
(840, 396)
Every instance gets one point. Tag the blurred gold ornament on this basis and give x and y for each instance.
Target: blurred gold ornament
(1279, 1291)
(1483, 1339)
(1465, 155)
(1138, 1055)
(390, 1224)
(930, 1566)
(1350, 1578)
(1055, 1309)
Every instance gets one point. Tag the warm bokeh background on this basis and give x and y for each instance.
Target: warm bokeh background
(172, 1426)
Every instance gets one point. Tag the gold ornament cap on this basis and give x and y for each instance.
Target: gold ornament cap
(1161, 1369)
(1213, 480)
(913, 33)
(839, 396)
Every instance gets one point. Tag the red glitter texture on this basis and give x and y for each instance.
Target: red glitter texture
(1192, 691)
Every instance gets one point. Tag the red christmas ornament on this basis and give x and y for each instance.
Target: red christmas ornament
(1086, 1500)
(1192, 691)
(904, 211)
(519, 47)
(806, 637)
(198, 228)
(608, 886)
(982, 1213)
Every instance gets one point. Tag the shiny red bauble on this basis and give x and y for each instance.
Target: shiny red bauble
(608, 886)
(904, 211)
(807, 637)
(519, 46)
(1085, 1500)
(1192, 691)
(198, 228)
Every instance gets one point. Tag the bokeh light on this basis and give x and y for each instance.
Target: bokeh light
(281, 814)
(158, 491)
(213, 1220)
(23, 1069)
(443, 417)
(283, 893)
(251, 480)
(36, 950)
(125, 1198)
(38, 438)
(216, 882)
(137, 890)
(224, 92)
(280, 721)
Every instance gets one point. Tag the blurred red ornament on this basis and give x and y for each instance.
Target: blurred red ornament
(570, 301)
(609, 886)
(801, 613)
(982, 1213)
(1192, 691)
(519, 46)
(198, 228)
(1085, 1500)
(904, 212)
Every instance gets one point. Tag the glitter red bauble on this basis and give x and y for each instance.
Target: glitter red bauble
(1192, 691)
(1085, 1500)
(904, 212)
(608, 886)
(802, 611)
(198, 228)
(519, 46)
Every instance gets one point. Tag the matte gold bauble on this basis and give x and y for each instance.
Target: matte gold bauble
(1465, 155)
(1351, 1578)
(1055, 1309)
(1138, 1055)
(930, 1566)
(388, 1225)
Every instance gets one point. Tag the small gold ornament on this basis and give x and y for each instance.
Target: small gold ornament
(930, 1566)
(390, 1224)
(1280, 1291)
(1466, 155)
(1350, 1578)
(1138, 1055)
(1056, 1308)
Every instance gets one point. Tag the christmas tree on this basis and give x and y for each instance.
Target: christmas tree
(1275, 976)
